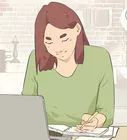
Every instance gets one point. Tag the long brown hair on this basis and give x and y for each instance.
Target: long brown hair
(60, 16)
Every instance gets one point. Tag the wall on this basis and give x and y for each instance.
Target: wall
(101, 20)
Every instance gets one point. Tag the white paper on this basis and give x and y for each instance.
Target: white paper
(115, 131)
(112, 131)
(95, 133)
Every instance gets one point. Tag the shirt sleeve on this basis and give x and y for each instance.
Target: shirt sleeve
(30, 83)
(106, 93)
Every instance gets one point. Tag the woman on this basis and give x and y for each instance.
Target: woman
(76, 79)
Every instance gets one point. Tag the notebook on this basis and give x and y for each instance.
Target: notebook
(71, 131)
(112, 132)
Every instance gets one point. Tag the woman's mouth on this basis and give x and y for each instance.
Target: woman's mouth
(61, 52)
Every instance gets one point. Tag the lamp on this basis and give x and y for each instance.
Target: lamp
(15, 52)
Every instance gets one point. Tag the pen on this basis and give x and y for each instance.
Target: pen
(90, 118)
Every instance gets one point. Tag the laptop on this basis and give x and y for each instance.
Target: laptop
(24, 118)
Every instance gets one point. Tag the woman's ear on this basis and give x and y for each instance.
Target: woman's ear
(78, 28)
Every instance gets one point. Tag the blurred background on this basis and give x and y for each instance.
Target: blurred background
(102, 23)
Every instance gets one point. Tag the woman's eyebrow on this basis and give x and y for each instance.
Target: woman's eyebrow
(48, 38)
(63, 35)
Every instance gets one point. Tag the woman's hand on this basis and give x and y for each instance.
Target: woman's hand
(97, 121)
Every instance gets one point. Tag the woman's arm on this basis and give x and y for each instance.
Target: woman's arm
(106, 93)
(30, 83)
(105, 100)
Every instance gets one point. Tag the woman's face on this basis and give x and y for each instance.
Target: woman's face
(61, 42)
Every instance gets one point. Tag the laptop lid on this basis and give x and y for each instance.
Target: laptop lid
(23, 118)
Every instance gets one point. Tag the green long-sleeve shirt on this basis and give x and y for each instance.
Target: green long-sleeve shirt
(89, 89)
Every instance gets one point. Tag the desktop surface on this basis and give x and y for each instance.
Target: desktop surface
(122, 134)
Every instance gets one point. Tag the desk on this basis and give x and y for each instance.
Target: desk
(122, 134)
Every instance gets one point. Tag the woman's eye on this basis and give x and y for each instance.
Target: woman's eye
(48, 42)
(65, 40)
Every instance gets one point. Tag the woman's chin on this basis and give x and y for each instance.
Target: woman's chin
(63, 58)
